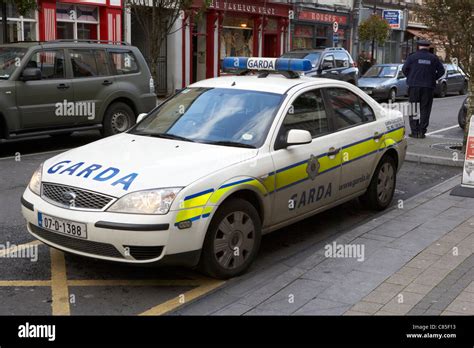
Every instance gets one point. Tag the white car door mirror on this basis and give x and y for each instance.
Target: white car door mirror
(141, 116)
(298, 137)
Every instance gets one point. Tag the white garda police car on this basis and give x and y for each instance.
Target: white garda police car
(205, 174)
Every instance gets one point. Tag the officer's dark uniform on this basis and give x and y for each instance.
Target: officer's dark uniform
(422, 69)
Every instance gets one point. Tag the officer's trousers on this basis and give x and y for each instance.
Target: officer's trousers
(421, 100)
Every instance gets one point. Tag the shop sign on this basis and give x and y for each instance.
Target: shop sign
(393, 17)
(322, 17)
(249, 7)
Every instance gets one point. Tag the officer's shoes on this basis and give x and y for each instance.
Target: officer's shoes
(413, 135)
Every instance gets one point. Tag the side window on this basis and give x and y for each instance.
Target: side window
(342, 60)
(50, 62)
(401, 75)
(83, 63)
(328, 62)
(102, 62)
(307, 113)
(347, 108)
(124, 62)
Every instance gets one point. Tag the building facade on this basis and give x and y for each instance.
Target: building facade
(66, 19)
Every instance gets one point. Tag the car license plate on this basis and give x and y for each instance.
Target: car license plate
(69, 228)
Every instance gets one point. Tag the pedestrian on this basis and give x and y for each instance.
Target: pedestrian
(422, 69)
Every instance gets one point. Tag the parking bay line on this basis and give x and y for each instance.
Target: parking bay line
(59, 285)
(13, 283)
(207, 286)
(442, 130)
(134, 282)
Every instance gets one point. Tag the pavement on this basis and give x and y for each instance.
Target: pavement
(413, 259)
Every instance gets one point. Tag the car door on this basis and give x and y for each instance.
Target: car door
(93, 83)
(358, 136)
(328, 67)
(402, 87)
(342, 64)
(306, 176)
(456, 79)
(41, 102)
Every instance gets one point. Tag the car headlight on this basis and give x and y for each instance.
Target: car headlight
(35, 181)
(157, 201)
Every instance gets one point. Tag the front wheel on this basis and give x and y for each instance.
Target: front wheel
(392, 96)
(232, 240)
(118, 118)
(380, 193)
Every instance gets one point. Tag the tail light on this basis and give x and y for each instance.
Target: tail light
(152, 85)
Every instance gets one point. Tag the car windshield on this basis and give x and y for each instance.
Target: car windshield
(220, 116)
(10, 58)
(313, 56)
(382, 71)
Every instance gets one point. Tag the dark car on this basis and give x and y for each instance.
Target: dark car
(454, 80)
(462, 115)
(59, 87)
(334, 63)
(384, 82)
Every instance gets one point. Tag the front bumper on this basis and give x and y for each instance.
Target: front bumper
(128, 238)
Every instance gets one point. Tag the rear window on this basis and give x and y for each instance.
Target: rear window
(88, 63)
(124, 62)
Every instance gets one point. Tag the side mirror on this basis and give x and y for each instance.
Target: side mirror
(298, 137)
(31, 74)
(141, 116)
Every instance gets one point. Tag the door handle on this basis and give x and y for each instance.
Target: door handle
(333, 151)
(378, 136)
(63, 86)
(107, 83)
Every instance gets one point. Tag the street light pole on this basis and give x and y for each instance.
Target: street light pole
(373, 38)
(3, 6)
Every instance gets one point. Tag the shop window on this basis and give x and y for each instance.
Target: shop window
(237, 37)
(124, 62)
(77, 22)
(303, 36)
(19, 28)
(50, 62)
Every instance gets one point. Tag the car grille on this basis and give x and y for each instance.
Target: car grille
(84, 199)
(85, 246)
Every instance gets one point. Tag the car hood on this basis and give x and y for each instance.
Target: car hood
(125, 163)
(373, 81)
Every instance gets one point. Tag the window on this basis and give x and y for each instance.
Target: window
(307, 113)
(347, 108)
(328, 62)
(124, 62)
(51, 63)
(19, 27)
(83, 63)
(342, 60)
(102, 62)
(77, 22)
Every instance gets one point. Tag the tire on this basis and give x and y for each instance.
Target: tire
(462, 118)
(443, 90)
(222, 262)
(392, 95)
(379, 195)
(118, 118)
(463, 91)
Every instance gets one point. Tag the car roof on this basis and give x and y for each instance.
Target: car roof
(273, 83)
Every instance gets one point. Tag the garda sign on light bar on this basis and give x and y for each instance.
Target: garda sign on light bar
(468, 173)
(269, 64)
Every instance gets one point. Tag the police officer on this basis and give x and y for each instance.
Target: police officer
(422, 69)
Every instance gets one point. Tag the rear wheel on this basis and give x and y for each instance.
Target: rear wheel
(382, 187)
(443, 91)
(232, 240)
(118, 118)
(392, 95)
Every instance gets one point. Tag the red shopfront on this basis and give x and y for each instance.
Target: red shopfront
(232, 28)
(80, 20)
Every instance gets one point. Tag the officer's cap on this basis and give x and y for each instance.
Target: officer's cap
(423, 43)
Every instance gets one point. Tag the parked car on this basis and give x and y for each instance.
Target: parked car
(454, 80)
(384, 82)
(58, 87)
(333, 62)
(462, 115)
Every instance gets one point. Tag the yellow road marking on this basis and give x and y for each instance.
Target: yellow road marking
(206, 286)
(18, 247)
(59, 286)
(25, 283)
(134, 282)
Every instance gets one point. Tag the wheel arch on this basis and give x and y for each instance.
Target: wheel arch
(122, 99)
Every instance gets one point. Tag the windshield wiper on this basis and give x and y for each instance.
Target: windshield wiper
(230, 143)
(165, 136)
